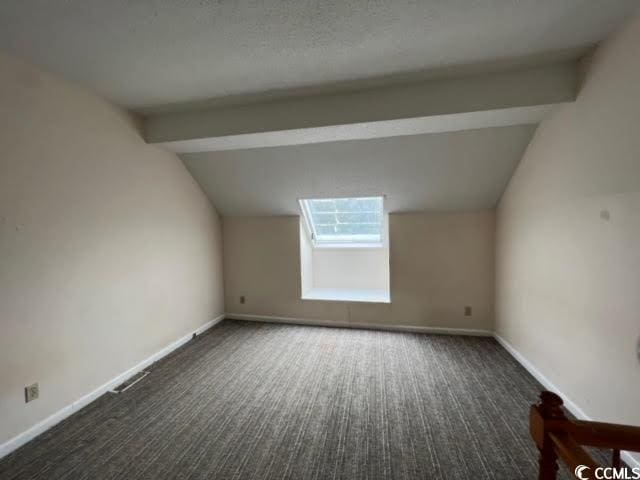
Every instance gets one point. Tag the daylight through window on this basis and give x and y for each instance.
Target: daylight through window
(344, 220)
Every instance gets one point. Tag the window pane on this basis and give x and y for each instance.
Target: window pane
(348, 229)
(322, 205)
(345, 220)
(359, 217)
(324, 218)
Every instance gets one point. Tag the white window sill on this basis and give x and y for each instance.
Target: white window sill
(347, 295)
(349, 246)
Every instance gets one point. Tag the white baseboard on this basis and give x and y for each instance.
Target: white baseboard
(44, 425)
(631, 459)
(568, 403)
(367, 326)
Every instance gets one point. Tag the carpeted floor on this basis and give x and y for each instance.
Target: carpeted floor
(262, 401)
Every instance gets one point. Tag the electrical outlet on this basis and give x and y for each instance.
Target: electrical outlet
(467, 311)
(31, 392)
(242, 299)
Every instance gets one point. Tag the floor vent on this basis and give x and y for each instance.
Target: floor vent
(130, 382)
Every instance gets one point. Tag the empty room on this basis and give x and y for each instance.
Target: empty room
(320, 240)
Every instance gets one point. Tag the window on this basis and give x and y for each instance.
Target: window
(355, 221)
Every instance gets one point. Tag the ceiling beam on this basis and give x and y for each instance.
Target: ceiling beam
(438, 105)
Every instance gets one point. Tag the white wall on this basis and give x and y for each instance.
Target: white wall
(351, 268)
(342, 268)
(306, 260)
(568, 241)
(109, 251)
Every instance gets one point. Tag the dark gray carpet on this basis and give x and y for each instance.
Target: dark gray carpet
(262, 401)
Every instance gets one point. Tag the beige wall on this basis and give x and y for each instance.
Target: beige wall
(440, 262)
(109, 251)
(568, 241)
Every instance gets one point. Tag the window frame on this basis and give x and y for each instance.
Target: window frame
(309, 228)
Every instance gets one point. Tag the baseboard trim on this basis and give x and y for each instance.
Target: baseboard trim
(631, 459)
(44, 425)
(537, 374)
(366, 326)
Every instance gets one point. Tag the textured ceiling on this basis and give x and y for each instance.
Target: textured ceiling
(146, 53)
(445, 171)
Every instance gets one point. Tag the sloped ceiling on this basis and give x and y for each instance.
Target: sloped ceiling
(146, 53)
(445, 171)
(193, 68)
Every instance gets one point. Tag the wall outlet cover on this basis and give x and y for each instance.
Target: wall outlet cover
(31, 392)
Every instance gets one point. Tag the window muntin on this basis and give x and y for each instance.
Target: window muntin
(345, 221)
